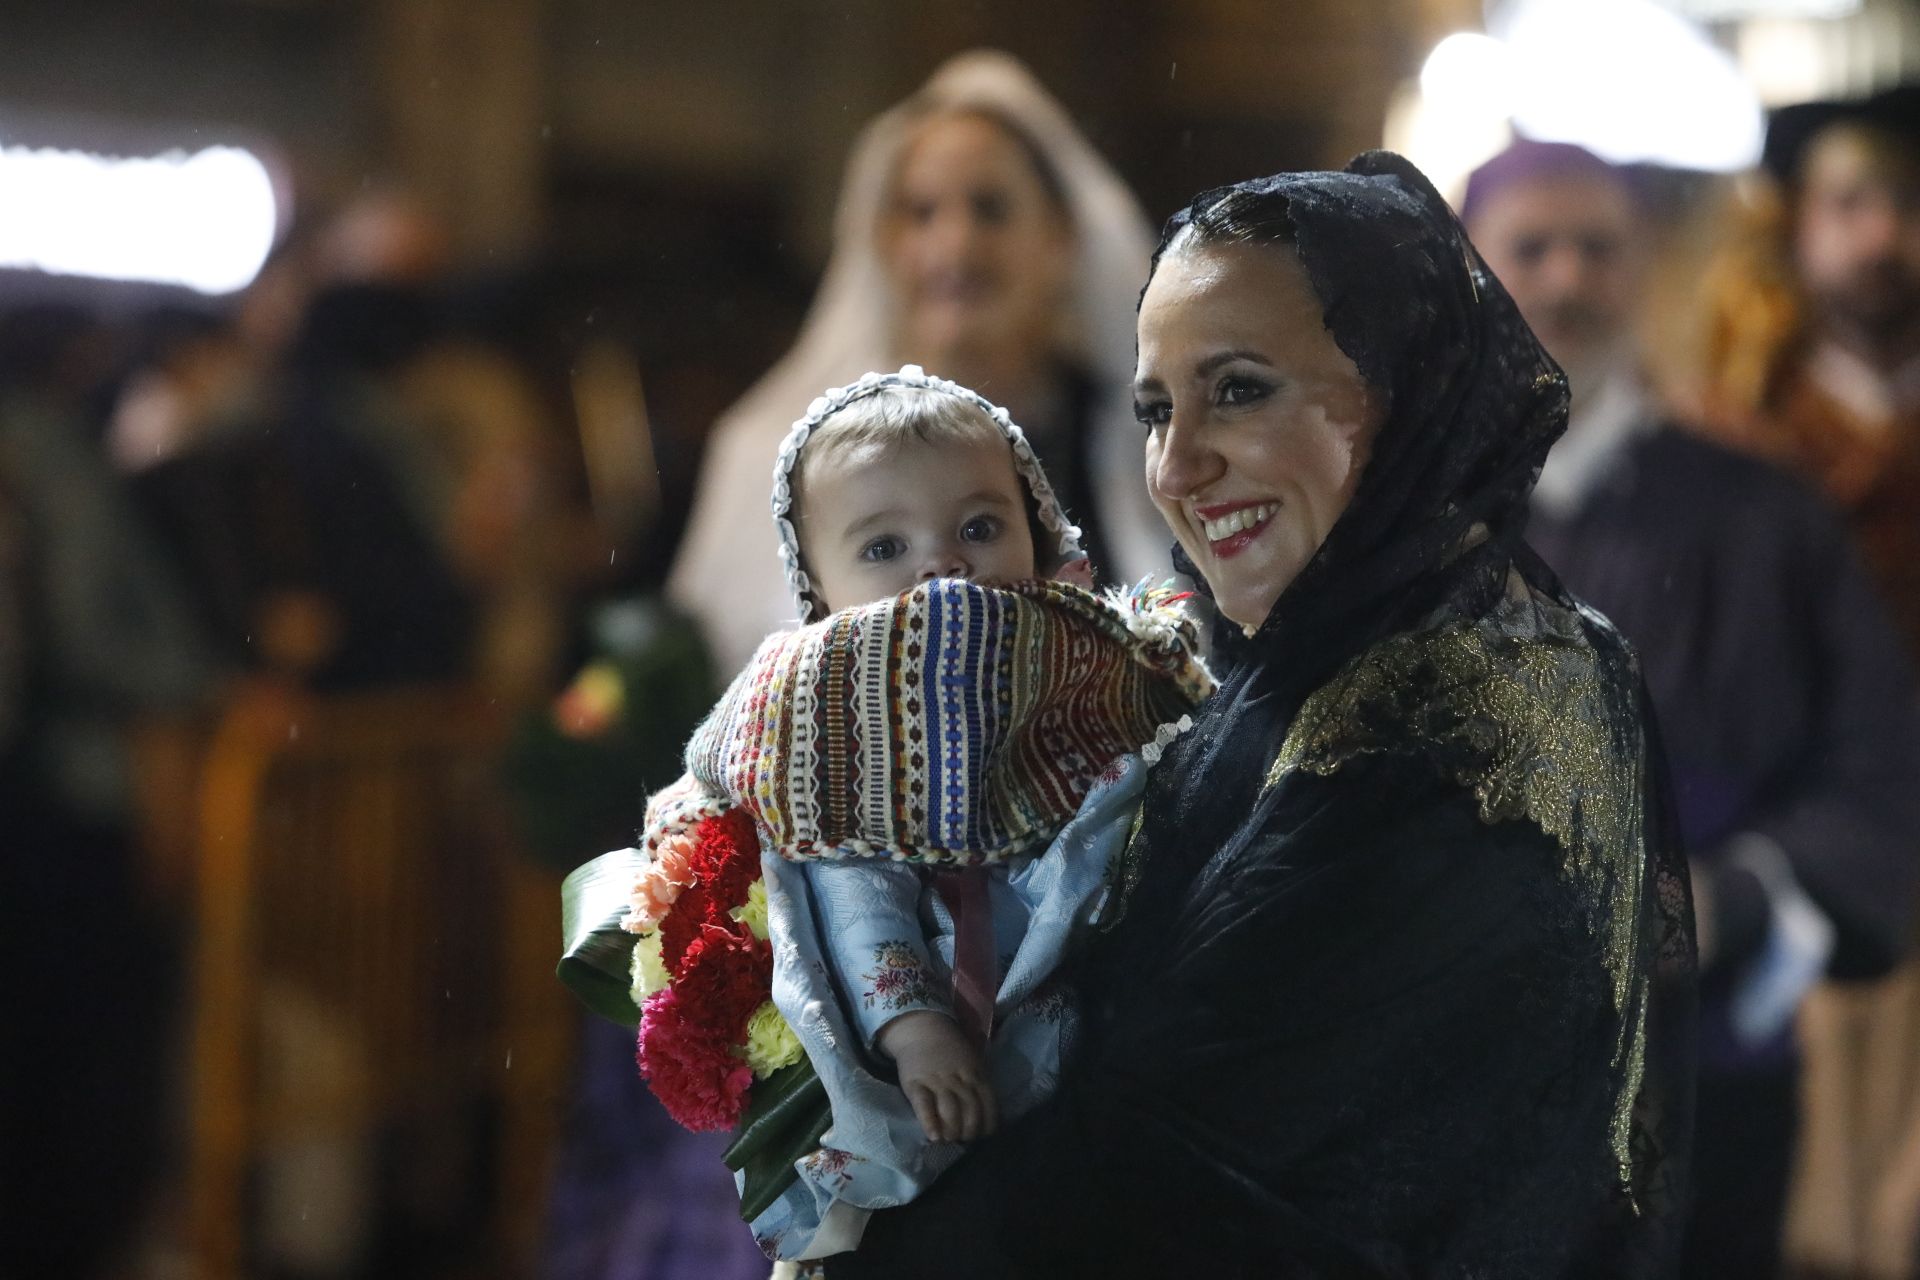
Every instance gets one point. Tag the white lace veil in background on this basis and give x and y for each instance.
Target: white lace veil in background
(728, 573)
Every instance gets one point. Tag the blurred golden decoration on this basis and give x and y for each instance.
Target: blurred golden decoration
(1855, 1204)
(361, 910)
(616, 442)
(1724, 334)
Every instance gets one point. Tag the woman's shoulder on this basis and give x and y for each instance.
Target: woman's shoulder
(1533, 707)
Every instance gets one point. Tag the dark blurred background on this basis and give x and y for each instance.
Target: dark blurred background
(332, 621)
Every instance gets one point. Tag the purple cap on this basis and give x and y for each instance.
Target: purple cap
(1527, 161)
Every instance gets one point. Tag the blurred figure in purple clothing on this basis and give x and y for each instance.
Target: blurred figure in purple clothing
(1785, 697)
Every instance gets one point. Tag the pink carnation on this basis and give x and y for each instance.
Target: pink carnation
(693, 1072)
(659, 886)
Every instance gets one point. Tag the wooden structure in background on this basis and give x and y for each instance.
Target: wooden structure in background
(1855, 1205)
(352, 863)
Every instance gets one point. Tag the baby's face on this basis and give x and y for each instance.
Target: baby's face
(882, 517)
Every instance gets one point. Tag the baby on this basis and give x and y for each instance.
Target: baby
(940, 769)
(902, 487)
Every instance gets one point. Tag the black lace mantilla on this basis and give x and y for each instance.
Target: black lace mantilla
(1403, 983)
(1540, 725)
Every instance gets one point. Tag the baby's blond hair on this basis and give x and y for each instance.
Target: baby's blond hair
(889, 418)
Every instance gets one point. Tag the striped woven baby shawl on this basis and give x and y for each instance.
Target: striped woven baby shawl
(954, 723)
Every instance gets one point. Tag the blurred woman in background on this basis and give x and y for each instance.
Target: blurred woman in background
(981, 236)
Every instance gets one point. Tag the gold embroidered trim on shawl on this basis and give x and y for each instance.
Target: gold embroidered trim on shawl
(1123, 877)
(1519, 710)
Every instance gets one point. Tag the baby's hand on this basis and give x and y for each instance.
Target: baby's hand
(1077, 571)
(942, 1076)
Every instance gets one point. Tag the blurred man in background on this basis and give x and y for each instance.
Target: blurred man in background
(1807, 351)
(1784, 696)
(1812, 336)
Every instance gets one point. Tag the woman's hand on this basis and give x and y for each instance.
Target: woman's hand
(942, 1076)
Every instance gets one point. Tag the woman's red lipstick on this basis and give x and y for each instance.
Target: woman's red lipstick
(1245, 521)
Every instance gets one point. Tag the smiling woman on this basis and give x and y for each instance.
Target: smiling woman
(1396, 976)
(1259, 424)
(979, 243)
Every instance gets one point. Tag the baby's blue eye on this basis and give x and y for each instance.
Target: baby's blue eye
(881, 550)
(981, 529)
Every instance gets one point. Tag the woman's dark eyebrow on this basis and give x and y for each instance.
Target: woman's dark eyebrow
(1214, 361)
(1206, 367)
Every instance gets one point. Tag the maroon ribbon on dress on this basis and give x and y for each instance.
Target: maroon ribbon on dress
(976, 976)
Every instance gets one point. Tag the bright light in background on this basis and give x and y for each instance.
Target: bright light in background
(1737, 10)
(1782, 58)
(1471, 71)
(205, 220)
(1624, 78)
(1630, 81)
(1457, 118)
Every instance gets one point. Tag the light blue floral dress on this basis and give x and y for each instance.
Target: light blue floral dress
(856, 943)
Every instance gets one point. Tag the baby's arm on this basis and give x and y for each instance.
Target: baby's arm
(942, 1076)
(897, 997)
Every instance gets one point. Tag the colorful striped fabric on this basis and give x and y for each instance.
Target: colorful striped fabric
(954, 724)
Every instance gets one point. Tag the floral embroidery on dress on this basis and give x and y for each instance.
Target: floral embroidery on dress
(900, 981)
(1048, 1003)
(1115, 770)
(829, 1164)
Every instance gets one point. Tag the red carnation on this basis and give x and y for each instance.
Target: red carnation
(726, 856)
(726, 974)
(692, 911)
(692, 1071)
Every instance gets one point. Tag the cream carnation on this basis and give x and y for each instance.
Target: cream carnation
(753, 912)
(649, 968)
(771, 1043)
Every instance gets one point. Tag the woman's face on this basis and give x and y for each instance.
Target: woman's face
(1259, 425)
(977, 250)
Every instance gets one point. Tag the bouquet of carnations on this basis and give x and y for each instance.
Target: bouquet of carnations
(702, 969)
(672, 936)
